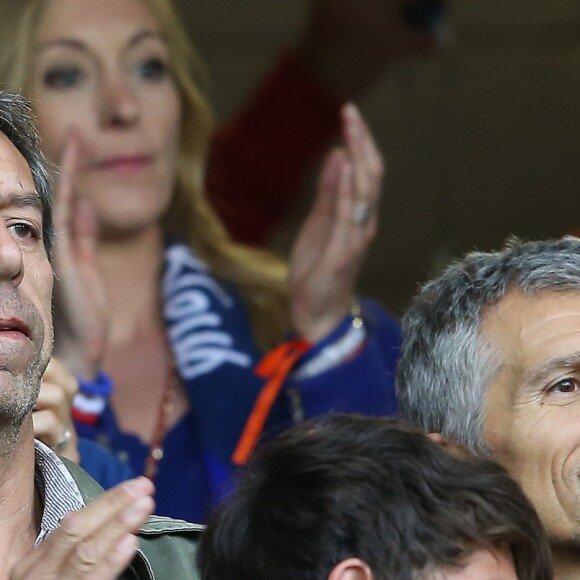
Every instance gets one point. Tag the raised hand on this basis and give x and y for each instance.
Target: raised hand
(52, 415)
(96, 542)
(81, 321)
(330, 248)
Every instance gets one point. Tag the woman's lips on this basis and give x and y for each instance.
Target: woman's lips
(126, 164)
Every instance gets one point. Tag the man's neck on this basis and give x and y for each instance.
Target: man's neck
(20, 506)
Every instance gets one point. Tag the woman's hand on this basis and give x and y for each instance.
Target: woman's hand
(333, 241)
(52, 415)
(81, 321)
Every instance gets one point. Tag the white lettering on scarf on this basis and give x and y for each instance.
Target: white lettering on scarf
(200, 343)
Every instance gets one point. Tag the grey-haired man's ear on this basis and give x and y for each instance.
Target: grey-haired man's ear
(451, 447)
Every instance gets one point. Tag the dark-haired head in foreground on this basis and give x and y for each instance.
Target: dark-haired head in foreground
(358, 498)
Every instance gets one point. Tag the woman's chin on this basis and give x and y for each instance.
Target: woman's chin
(124, 216)
(119, 231)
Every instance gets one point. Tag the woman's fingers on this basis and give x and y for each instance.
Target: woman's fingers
(329, 182)
(65, 187)
(313, 235)
(57, 373)
(84, 231)
(80, 299)
(332, 244)
(368, 166)
(48, 428)
(57, 391)
(368, 173)
(52, 416)
(58, 435)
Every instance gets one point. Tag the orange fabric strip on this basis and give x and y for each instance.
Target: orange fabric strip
(275, 367)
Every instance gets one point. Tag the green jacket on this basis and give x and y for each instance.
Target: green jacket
(167, 547)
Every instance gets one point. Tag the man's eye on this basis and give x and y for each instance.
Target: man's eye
(62, 77)
(565, 386)
(24, 231)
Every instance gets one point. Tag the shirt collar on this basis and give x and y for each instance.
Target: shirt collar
(57, 489)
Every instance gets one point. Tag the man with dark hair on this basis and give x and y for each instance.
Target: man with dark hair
(359, 498)
(17, 125)
(491, 360)
(38, 491)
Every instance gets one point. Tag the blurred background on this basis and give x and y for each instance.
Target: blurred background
(481, 141)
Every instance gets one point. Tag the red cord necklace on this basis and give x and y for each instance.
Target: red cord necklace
(155, 454)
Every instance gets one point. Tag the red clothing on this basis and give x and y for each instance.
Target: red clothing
(259, 159)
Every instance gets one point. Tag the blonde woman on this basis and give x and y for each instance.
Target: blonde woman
(152, 290)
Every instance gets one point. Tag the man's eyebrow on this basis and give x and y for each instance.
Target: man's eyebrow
(539, 375)
(22, 200)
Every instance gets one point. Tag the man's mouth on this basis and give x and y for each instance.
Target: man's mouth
(13, 328)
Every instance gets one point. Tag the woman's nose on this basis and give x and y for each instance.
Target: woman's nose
(119, 106)
(11, 263)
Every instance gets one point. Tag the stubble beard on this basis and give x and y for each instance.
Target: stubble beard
(19, 393)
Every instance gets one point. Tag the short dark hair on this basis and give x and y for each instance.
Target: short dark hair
(371, 488)
(18, 124)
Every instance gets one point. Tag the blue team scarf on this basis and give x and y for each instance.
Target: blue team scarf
(212, 342)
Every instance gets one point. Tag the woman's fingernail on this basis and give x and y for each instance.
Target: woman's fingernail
(352, 111)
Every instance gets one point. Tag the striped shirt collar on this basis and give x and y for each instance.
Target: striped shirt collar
(57, 489)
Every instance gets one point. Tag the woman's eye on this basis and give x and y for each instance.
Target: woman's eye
(62, 78)
(24, 231)
(152, 69)
(565, 386)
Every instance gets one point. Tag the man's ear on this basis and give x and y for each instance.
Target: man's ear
(453, 448)
(351, 569)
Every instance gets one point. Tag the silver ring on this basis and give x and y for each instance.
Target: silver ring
(360, 213)
(66, 437)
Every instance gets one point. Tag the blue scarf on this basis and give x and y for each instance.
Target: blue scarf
(211, 338)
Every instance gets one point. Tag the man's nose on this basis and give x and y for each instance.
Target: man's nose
(11, 263)
(119, 106)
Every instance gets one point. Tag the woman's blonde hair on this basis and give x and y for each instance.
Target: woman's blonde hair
(260, 276)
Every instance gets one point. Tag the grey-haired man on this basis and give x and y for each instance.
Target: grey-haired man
(491, 360)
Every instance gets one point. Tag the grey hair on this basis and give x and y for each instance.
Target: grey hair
(18, 124)
(445, 364)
